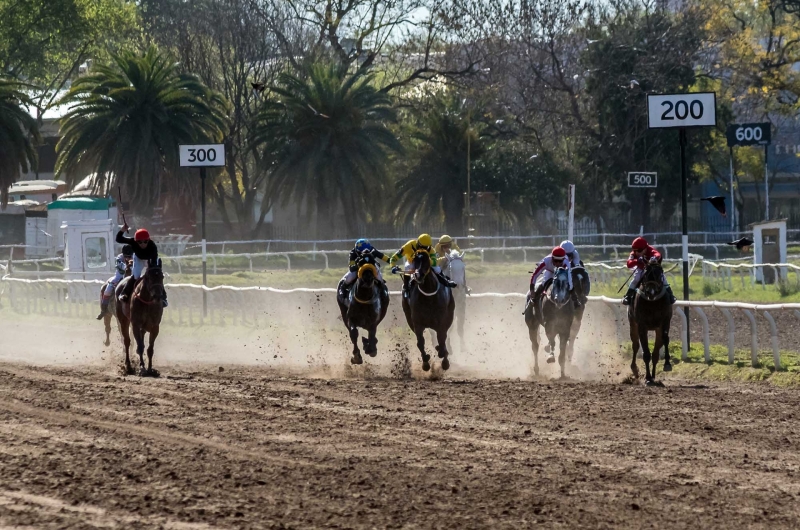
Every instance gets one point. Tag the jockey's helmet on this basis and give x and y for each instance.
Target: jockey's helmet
(445, 239)
(558, 254)
(425, 240)
(568, 247)
(639, 243)
(141, 235)
(362, 245)
(127, 251)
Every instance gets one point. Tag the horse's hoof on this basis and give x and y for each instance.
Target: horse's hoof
(142, 372)
(551, 359)
(445, 364)
(356, 360)
(649, 382)
(667, 367)
(426, 366)
(372, 352)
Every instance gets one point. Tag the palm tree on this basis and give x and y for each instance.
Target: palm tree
(127, 120)
(437, 181)
(18, 134)
(325, 142)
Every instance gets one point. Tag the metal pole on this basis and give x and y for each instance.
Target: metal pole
(766, 183)
(203, 236)
(685, 231)
(571, 225)
(733, 203)
(469, 210)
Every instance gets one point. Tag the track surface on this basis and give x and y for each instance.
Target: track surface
(87, 448)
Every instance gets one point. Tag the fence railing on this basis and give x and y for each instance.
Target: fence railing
(241, 306)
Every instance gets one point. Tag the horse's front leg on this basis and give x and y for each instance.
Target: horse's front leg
(657, 349)
(441, 348)
(645, 354)
(634, 332)
(665, 340)
(356, 358)
(563, 343)
(550, 349)
(371, 342)
(126, 341)
(150, 350)
(107, 324)
(138, 336)
(426, 359)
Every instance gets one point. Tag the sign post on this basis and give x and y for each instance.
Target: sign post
(203, 156)
(681, 111)
(571, 213)
(743, 134)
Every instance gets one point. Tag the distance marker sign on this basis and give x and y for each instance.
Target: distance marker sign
(698, 109)
(642, 179)
(749, 134)
(207, 155)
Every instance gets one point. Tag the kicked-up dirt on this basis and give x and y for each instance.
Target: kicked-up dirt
(83, 447)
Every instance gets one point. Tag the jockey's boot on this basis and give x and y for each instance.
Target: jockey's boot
(405, 285)
(628, 298)
(576, 301)
(104, 307)
(671, 296)
(444, 280)
(126, 294)
(164, 302)
(385, 289)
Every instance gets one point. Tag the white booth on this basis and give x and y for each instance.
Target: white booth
(89, 246)
(769, 240)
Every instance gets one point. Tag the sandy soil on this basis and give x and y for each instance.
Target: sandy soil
(250, 448)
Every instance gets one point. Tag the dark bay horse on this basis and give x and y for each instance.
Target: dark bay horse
(364, 306)
(428, 304)
(582, 286)
(650, 311)
(142, 314)
(557, 312)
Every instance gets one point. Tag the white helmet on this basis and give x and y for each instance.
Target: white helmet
(568, 247)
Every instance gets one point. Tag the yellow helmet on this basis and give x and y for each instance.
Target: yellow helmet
(424, 240)
(445, 239)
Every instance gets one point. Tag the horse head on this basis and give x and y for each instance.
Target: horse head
(652, 287)
(153, 279)
(422, 264)
(559, 291)
(367, 273)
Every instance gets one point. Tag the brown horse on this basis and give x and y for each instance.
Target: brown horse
(428, 304)
(363, 306)
(142, 314)
(650, 310)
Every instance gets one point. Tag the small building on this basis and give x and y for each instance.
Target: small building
(769, 240)
(43, 223)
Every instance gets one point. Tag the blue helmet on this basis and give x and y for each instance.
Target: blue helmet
(362, 245)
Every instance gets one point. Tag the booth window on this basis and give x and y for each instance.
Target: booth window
(96, 252)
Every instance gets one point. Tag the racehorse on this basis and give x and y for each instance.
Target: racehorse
(364, 306)
(112, 309)
(428, 304)
(650, 310)
(454, 268)
(557, 312)
(142, 314)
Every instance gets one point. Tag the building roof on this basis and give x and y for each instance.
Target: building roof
(79, 203)
(36, 186)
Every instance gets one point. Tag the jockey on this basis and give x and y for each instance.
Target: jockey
(641, 254)
(120, 267)
(144, 250)
(445, 245)
(362, 246)
(572, 254)
(408, 250)
(546, 270)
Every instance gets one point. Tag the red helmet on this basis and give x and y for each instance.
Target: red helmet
(639, 243)
(559, 253)
(141, 235)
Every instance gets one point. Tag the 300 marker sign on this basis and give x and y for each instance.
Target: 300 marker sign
(210, 155)
(681, 110)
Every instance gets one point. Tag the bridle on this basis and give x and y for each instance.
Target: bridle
(651, 277)
(419, 279)
(557, 281)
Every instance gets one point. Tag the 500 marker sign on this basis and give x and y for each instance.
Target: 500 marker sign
(642, 179)
(210, 155)
(681, 110)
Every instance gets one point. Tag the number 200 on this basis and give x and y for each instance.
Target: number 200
(682, 110)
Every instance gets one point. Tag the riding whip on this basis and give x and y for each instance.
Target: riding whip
(626, 281)
(119, 192)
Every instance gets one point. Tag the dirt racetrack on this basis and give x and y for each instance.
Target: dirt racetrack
(251, 448)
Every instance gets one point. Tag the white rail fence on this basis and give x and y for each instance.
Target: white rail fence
(238, 306)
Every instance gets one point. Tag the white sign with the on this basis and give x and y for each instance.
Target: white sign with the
(681, 110)
(642, 179)
(210, 155)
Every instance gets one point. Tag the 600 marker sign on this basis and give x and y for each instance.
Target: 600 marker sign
(681, 110)
(211, 155)
(749, 134)
(642, 179)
